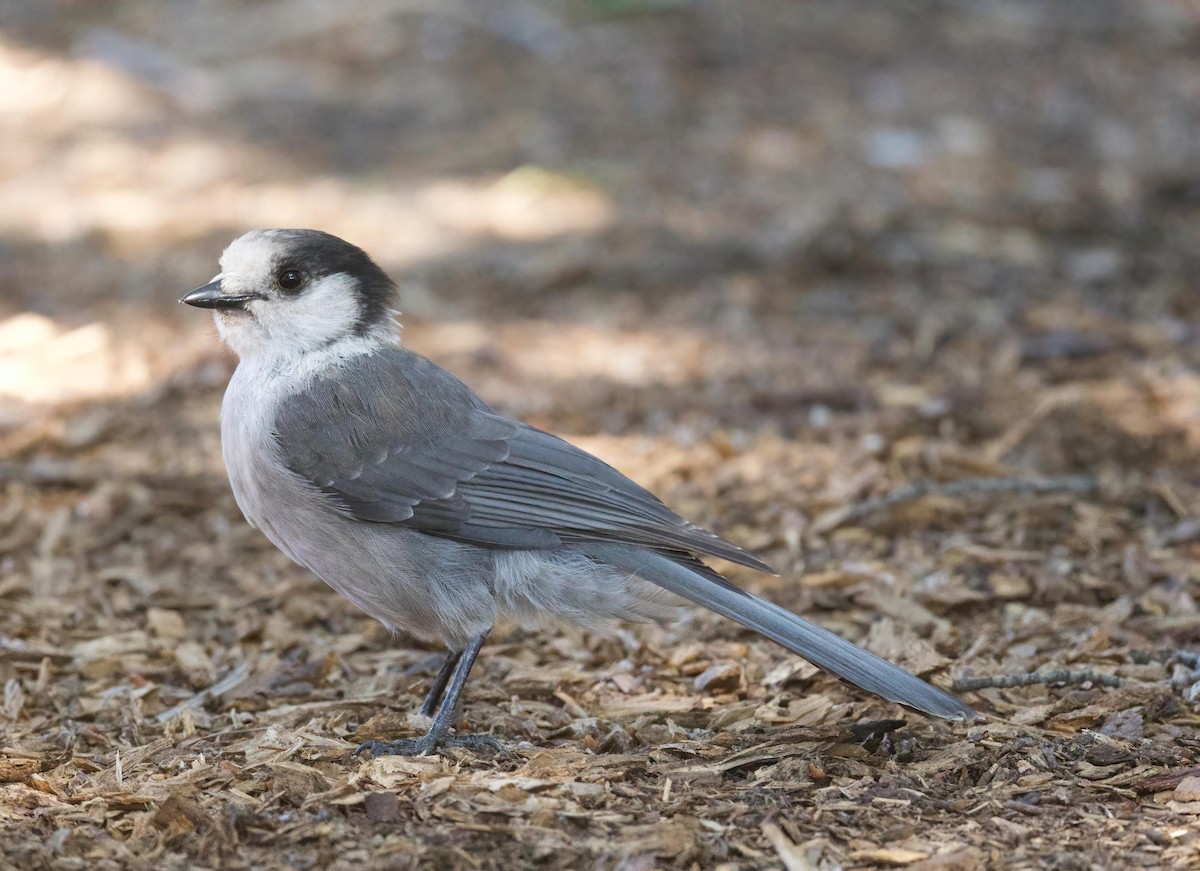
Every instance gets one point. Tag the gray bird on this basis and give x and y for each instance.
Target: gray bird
(388, 478)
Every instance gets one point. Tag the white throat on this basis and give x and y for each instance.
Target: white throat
(278, 331)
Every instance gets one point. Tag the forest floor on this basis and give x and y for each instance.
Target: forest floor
(899, 296)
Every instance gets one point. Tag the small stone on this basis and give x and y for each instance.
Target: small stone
(1188, 789)
(720, 677)
(166, 624)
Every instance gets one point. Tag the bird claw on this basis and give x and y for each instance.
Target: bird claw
(426, 744)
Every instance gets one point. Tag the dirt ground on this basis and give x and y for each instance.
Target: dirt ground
(899, 295)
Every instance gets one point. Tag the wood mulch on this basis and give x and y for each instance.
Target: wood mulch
(919, 327)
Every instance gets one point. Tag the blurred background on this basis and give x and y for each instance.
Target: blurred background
(773, 259)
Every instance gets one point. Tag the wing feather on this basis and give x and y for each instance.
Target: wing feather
(396, 439)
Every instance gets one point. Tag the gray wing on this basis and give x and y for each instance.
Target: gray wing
(397, 439)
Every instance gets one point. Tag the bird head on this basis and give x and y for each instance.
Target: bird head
(284, 293)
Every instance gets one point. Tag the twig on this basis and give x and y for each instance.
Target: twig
(844, 514)
(16, 650)
(792, 855)
(1059, 676)
(224, 685)
(1024, 425)
(61, 473)
(1166, 656)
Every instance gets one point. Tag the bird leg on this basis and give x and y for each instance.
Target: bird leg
(452, 678)
(430, 705)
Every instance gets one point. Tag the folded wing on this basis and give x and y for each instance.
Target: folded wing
(397, 439)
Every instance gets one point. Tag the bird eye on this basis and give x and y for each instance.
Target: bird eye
(289, 279)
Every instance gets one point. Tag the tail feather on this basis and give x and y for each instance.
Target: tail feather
(819, 646)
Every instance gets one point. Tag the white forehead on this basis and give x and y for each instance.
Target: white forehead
(251, 254)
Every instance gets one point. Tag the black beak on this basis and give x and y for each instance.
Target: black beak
(210, 296)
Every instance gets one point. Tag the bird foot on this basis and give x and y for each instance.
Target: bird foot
(427, 744)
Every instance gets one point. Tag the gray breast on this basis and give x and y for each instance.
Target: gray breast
(425, 586)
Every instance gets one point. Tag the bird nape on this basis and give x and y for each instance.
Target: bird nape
(392, 481)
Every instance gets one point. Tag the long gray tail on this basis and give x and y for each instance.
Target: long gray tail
(819, 646)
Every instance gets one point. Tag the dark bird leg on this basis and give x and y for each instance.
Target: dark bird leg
(439, 733)
(430, 705)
